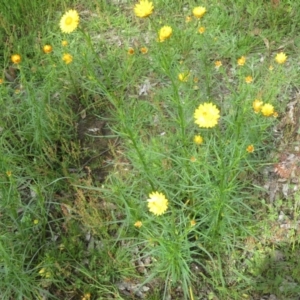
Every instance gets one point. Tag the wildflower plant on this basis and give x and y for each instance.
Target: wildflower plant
(180, 151)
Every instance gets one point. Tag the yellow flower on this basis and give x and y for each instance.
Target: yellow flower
(218, 64)
(164, 33)
(198, 139)
(36, 221)
(44, 273)
(248, 79)
(16, 58)
(250, 149)
(69, 21)
(199, 11)
(267, 110)
(67, 58)
(257, 104)
(138, 224)
(188, 19)
(8, 173)
(275, 114)
(64, 43)
(47, 49)
(241, 61)
(130, 51)
(193, 159)
(281, 58)
(271, 68)
(207, 115)
(86, 296)
(143, 9)
(1, 80)
(184, 76)
(201, 30)
(144, 50)
(193, 223)
(157, 203)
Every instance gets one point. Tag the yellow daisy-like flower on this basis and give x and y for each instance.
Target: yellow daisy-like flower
(130, 51)
(193, 222)
(198, 139)
(64, 43)
(16, 58)
(275, 114)
(47, 49)
(67, 58)
(143, 9)
(257, 104)
(164, 33)
(241, 61)
(250, 149)
(144, 50)
(1, 80)
(157, 203)
(199, 11)
(218, 64)
(184, 76)
(69, 21)
(201, 30)
(281, 58)
(267, 110)
(138, 224)
(207, 115)
(248, 79)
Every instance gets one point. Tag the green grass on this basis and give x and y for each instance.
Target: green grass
(82, 145)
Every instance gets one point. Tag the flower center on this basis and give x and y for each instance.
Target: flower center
(69, 20)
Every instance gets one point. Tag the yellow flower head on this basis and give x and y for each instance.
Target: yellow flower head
(16, 58)
(130, 51)
(138, 224)
(67, 58)
(281, 58)
(1, 80)
(64, 43)
(69, 21)
(193, 222)
(241, 61)
(267, 110)
(207, 115)
(144, 50)
(45, 273)
(188, 19)
(164, 33)
(201, 30)
(157, 203)
(218, 64)
(47, 49)
(198, 139)
(143, 9)
(184, 76)
(257, 104)
(249, 79)
(86, 296)
(250, 149)
(199, 11)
